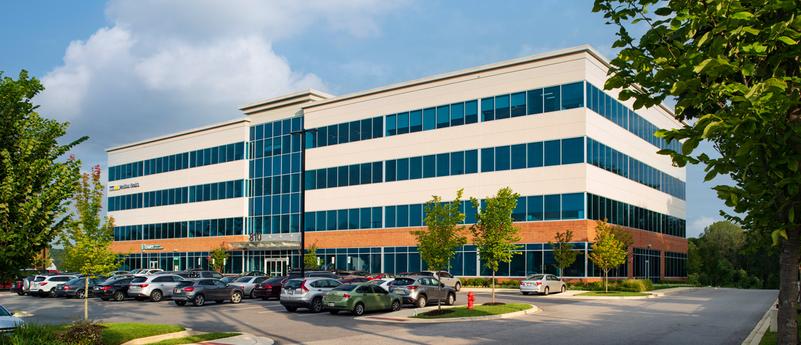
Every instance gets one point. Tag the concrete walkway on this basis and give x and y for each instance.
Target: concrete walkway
(405, 315)
(244, 339)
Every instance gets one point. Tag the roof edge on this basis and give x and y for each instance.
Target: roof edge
(265, 104)
(177, 134)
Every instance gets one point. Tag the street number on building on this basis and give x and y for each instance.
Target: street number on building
(255, 237)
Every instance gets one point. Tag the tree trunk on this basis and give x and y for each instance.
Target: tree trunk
(606, 281)
(493, 287)
(788, 288)
(86, 298)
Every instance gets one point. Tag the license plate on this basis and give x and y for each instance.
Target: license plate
(331, 304)
(290, 292)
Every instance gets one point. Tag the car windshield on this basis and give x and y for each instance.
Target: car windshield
(39, 278)
(275, 280)
(139, 280)
(185, 283)
(244, 279)
(345, 287)
(536, 277)
(293, 284)
(402, 281)
(74, 281)
(4, 312)
(427, 274)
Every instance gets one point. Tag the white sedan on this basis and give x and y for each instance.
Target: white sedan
(542, 284)
(8, 322)
(382, 282)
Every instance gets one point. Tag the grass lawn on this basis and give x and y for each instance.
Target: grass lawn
(770, 337)
(118, 333)
(612, 294)
(478, 310)
(196, 338)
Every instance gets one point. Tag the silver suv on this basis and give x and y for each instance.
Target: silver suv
(420, 290)
(248, 283)
(444, 277)
(306, 293)
(154, 287)
(44, 286)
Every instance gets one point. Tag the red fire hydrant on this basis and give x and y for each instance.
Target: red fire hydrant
(471, 298)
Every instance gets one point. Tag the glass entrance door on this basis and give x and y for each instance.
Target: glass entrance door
(276, 266)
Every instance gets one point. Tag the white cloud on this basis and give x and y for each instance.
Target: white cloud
(696, 226)
(163, 66)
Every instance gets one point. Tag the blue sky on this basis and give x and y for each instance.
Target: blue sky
(122, 71)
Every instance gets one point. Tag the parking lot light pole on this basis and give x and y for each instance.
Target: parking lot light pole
(302, 224)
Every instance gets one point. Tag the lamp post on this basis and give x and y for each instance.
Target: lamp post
(302, 225)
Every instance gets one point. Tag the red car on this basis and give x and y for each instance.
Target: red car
(269, 288)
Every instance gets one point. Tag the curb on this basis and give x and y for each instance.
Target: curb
(534, 309)
(157, 338)
(242, 339)
(755, 337)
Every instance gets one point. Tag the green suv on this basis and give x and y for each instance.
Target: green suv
(358, 298)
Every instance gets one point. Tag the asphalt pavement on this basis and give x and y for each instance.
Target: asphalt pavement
(693, 316)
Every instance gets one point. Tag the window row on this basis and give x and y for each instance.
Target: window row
(534, 101)
(345, 132)
(275, 204)
(188, 229)
(283, 224)
(615, 111)
(275, 146)
(216, 191)
(348, 219)
(443, 164)
(180, 195)
(619, 163)
(276, 128)
(275, 185)
(350, 175)
(275, 165)
(448, 115)
(531, 155)
(675, 264)
(623, 214)
(179, 161)
(215, 155)
(646, 263)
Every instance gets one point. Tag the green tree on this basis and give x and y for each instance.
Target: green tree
(608, 251)
(36, 182)
(733, 69)
(218, 257)
(493, 233)
(563, 252)
(719, 247)
(310, 258)
(87, 241)
(439, 240)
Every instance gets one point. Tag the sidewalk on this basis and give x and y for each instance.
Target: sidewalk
(244, 339)
(405, 316)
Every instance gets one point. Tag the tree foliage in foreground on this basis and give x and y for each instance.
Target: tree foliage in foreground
(608, 250)
(563, 253)
(36, 181)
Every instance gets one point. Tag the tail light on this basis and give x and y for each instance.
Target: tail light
(538, 283)
(42, 283)
(66, 287)
(189, 289)
(105, 288)
(412, 287)
(143, 285)
(267, 286)
(303, 287)
(346, 296)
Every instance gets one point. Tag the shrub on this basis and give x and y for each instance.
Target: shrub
(30, 333)
(636, 285)
(83, 333)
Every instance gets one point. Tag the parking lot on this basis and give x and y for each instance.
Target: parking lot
(695, 316)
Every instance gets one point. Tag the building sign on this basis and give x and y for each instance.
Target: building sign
(152, 247)
(114, 188)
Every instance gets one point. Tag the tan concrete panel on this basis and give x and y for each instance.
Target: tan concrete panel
(226, 208)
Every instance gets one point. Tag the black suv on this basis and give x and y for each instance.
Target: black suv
(116, 289)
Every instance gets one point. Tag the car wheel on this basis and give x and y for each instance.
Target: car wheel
(451, 299)
(181, 303)
(421, 301)
(358, 309)
(396, 305)
(21, 293)
(291, 309)
(81, 294)
(317, 305)
(199, 300)
(52, 293)
(156, 296)
(118, 296)
(236, 297)
(546, 291)
(458, 286)
(525, 293)
(564, 288)
(333, 311)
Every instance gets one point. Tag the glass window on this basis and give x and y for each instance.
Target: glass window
(471, 112)
(403, 123)
(342, 175)
(551, 99)
(501, 107)
(376, 220)
(552, 207)
(535, 101)
(519, 156)
(488, 109)
(355, 131)
(320, 222)
(572, 150)
(364, 218)
(342, 218)
(471, 161)
(502, 159)
(378, 172)
(415, 215)
(331, 220)
(333, 137)
(402, 216)
(416, 121)
(443, 116)
(390, 217)
(534, 208)
(343, 133)
(354, 173)
(353, 218)
(403, 169)
(572, 95)
(457, 163)
(378, 127)
(391, 125)
(518, 104)
(366, 173)
(519, 212)
(429, 166)
(391, 176)
(573, 206)
(443, 164)
(552, 154)
(367, 129)
(488, 159)
(457, 114)
(429, 119)
(331, 176)
(415, 168)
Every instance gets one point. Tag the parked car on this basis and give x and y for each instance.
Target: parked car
(114, 289)
(444, 277)
(204, 274)
(382, 282)
(46, 286)
(354, 280)
(306, 293)
(542, 284)
(314, 274)
(114, 273)
(254, 274)
(153, 287)
(76, 287)
(248, 284)
(421, 290)
(228, 280)
(199, 290)
(8, 322)
(359, 298)
(270, 288)
(150, 271)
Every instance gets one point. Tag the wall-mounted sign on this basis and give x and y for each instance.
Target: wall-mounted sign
(152, 247)
(123, 186)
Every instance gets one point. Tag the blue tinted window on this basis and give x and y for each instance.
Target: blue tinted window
(572, 150)
(353, 218)
(519, 212)
(331, 220)
(403, 169)
(389, 220)
(355, 131)
(403, 123)
(416, 121)
(367, 129)
(415, 215)
(429, 119)
(471, 161)
(342, 219)
(552, 154)
(488, 109)
(519, 156)
(502, 159)
(471, 112)
(377, 220)
(443, 116)
(488, 159)
(390, 170)
(331, 177)
(402, 216)
(415, 168)
(502, 107)
(572, 95)
(343, 133)
(378, 127)
(552, 207)
(364, 218)
(354, 173)
(534, 208)
(457, 114)
(518, 104)
(333, 137)
(342, 174)
(391, 125)
(573, 206)
(366, 173)
(534, 155)
(378, 172)
(457, 163)
(429, 166)
(535, 101)
(443, 164)
(551, 98)
(320, 221)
